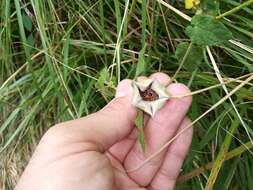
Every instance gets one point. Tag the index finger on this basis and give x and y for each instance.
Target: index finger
(159, 130)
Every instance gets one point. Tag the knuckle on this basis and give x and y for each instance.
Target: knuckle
(120, 108)
(179, 154)
(115, 105)
(54, 133)
(167, 174)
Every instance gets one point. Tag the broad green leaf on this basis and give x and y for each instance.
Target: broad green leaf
(140, 126)
(195, 56)
(210, 7)
(205, 30)
(27, 22)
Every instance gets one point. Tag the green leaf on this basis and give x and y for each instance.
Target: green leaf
(30, 40)
(105, 85)
(141, 66)
(205, 30)
(210, 7)
(195, 56)
(140, 126)
(27, 22)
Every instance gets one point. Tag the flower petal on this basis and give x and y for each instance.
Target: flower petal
(136, 94)
(150, 107)
(189, 4)
(144, 84)
(160, 89)
(157, 105)
(145, 106)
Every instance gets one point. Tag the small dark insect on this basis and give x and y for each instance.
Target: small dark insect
(149, 94)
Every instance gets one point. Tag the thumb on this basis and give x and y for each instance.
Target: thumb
(111, 124)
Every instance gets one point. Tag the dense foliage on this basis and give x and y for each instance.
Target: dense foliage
(62, 60)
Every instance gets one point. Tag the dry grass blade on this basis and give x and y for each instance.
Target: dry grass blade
(180, 13)
(215, 86)
(224, 148)
(231, 154)
(63, 59)
(118, 43)
(18, 70)
(187, 127)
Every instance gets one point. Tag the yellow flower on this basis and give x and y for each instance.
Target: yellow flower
(189, 4)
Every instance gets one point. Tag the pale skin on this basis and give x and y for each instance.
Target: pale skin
(92, 152)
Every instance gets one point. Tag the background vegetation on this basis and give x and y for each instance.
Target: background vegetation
(62, 60)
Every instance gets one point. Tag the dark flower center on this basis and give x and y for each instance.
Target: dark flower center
(149, 94)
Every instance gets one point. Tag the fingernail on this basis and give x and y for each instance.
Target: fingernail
(123, 89)
(178, 89)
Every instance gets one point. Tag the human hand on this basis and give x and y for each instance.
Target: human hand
(91, 152)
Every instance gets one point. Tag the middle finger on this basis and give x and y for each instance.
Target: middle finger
(158, 131)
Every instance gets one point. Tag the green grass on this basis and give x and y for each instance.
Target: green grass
(62, 59)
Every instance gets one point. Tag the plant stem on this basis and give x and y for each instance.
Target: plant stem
(196, 172)
(182, 61)
(192, 124)
(221, 156)
(235, 9)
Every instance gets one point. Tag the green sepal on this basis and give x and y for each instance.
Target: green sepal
(139, 123)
